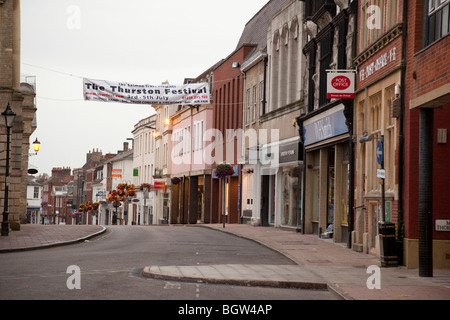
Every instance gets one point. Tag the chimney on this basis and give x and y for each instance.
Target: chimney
(125, 146)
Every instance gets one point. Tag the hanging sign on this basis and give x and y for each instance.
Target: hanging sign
(159, 185)
(117, 173)
(341, 85)
(109, 91)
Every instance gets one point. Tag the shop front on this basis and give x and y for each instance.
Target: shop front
(327, 152)
(280, 194)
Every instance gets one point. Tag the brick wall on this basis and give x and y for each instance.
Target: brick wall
(427, 69)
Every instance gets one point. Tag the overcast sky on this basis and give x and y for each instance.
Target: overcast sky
(138, 41)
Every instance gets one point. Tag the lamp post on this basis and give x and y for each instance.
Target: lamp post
(9, 116)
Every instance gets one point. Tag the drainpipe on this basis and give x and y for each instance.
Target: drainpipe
(401, 143)
(266, 59)
(426, 192)
(299, 121)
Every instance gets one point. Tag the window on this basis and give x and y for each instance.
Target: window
(165, 154)
(261, 98)
(326, 49)
(389, 140)
(311, 72)
(254, 104)
(197, 138)
(437, 21)
(375, 129)
(342, 45)
(247, 118)
(187, 139)
(36, 193)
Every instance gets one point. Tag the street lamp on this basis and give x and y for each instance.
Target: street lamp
(36, 147)
(9, 116)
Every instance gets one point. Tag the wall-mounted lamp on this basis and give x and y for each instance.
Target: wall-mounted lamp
(235, 64)
(36, 147)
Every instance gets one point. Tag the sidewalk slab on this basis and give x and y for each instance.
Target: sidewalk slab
(345, 271)
(288, 276)
(38, 236)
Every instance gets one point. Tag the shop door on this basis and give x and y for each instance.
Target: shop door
(265, 188)
(331, 187)
(373, 223)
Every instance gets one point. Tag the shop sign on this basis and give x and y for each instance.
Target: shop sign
(117, 173)
(289, 152)
(442, 225)
(379, 63)
(341, 85)
(328, 124)
(159, 185)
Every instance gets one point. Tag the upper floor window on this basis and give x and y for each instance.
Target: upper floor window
(36, 193)
(377, 18)
(437, 21)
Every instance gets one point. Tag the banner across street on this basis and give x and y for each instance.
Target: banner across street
(111, 91)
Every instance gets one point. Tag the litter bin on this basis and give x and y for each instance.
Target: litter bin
(388, 247)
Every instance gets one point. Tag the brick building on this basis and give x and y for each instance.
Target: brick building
(56, 205)
(427, 121)
(227, 115)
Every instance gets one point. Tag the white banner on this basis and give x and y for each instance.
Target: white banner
(109, 91)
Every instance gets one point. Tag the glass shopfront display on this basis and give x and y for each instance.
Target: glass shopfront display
(291, 196)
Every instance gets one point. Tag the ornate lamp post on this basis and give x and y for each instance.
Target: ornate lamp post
(9, 116)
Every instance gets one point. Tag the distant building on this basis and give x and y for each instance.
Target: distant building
(34, 200)
(56, 207)
(144, 134)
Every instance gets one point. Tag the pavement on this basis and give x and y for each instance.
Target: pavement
(38, 236)
(317, 264)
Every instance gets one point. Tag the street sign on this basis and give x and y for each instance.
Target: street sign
(379, 152)
(442, 225)
(381, 173)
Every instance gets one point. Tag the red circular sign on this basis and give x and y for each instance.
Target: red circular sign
(340, 82)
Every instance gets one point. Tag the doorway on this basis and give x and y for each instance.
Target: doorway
(267, 200)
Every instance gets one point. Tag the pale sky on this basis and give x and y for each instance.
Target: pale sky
(137, 41)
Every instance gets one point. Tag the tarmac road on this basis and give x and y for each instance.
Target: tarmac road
(110, 267)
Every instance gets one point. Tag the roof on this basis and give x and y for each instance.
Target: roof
(123, 156)
(255, 31)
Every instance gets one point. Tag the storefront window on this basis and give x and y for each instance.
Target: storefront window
(291, 197)
(330, 219)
